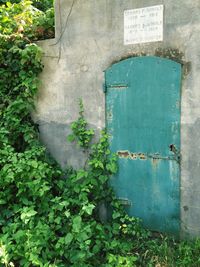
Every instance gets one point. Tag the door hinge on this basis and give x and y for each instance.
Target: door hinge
(104, 88)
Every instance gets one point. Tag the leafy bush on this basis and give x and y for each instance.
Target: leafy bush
(11, 1)
(40, 4)
(43, 5)
(23, 18)
(47, 220)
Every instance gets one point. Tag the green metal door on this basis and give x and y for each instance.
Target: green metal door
(143, 121)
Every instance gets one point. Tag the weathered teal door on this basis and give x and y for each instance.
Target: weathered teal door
(143, 121)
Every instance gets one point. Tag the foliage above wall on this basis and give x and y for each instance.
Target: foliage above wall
(25, 19)
(40, 4)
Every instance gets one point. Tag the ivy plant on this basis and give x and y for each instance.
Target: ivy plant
(81, 134)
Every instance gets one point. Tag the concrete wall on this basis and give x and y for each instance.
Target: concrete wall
(89, 37)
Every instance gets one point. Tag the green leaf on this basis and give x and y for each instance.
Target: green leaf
(27, 214)
(112, 167)
(68, 239)
(71, 138)
(8, 4)
(2, 201)
(116, 215)
(88, 208)
(34, 163)
(81, 174)
(76, 224)
(78, 256)
(58, 220)
(67, 213)
(82, 237)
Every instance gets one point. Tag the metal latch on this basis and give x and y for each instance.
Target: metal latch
(117, 86)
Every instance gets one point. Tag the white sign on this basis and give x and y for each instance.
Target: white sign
(143, 25)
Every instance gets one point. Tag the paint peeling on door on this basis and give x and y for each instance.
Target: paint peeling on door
(125, 154)
(155, 163)
(130, 155)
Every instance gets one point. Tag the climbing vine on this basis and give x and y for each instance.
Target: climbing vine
(81, 134)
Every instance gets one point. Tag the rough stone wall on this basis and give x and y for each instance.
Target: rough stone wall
(89, 38)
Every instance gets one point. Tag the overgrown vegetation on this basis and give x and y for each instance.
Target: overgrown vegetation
(49, 217)
(40, 4)
(26, 20)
